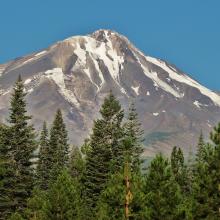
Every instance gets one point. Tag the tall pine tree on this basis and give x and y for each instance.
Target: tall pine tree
(58, 146)
(206, 180)
(22, 144)
(134, 133)
(62, 201)
(45, 160)
(163, 195)
(200, 147)
(76, 164)
(7, 175)
(104, 146)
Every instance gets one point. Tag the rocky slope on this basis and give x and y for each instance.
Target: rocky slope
(77, 73)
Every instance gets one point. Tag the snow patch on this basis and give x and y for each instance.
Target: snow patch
(27, 61)
(30, 90)
(123, 91)
(57, 76)
(198, 104)
(168, 79)
(136, 89)
(81, 54)
(157, 81)
(40, 53)
(185, 79)
(27, 81)
(4, 92)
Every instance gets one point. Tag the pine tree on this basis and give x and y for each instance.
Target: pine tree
(76, 164)
(104, 146)
(45, 160)
(162, 193)
(205, 186)
(200, 147)
(206, 180)
(134, 133)
(19, 151)
(58, 145)
(62, 201)
(7, 175)
(111, 205)
(179, 169)
(215, 135)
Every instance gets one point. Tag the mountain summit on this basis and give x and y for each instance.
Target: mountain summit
(77, 73)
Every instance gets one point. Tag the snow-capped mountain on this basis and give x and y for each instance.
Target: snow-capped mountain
(77, 73)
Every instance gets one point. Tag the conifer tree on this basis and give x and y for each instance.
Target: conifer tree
(111, 205)
(58, 145)
(205, 186)
(179, 169)
(45, 160)
(76, 164)
(7, 175)
(215, 135)
(21, 144)
(206, 180)
(62, 201)
(163, 195)
(134, 133)
(104, 146)
(200, 147)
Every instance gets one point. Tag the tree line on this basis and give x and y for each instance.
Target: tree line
(41, 179)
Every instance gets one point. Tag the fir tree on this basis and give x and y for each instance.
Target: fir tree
(179, 169)
(177, 160)
(206, 180)
(200, 147)
(19, 152)
(76, 164)
(111, 205)
(7, 175)
(134, 132)
(104, 146)
(44, 163)
(163, 196)
(205, 186)
(58, 145)
(62, 201)
(215, 135)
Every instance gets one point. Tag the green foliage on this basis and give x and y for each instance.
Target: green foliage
(16, 154)
(205, 185)
(111, 205)
(215, 135)
(76, 164)
(58, 146)
(200, 148)
(163, 195)
(44, 163)
(105, 145)
(134, 134)
(7, 175)
(16, 216)
(62, 201)
(180, 170)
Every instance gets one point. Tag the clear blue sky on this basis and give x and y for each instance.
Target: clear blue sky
(184, 32)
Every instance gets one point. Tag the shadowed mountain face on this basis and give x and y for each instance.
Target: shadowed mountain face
(77, 73)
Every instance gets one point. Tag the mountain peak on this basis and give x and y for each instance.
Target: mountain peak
(75, 75)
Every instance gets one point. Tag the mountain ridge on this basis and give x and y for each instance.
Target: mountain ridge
(75, 74)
